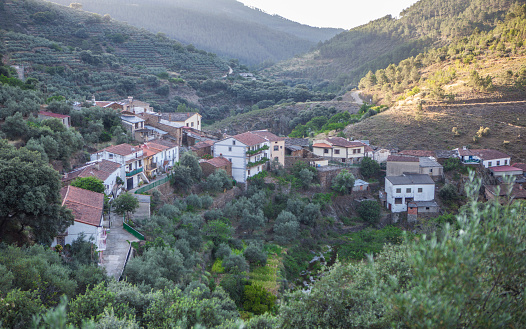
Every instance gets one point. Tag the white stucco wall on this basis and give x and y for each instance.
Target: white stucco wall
(427, 194)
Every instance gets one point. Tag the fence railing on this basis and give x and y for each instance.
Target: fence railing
(133, 232)
(135, 172)
(152, 185)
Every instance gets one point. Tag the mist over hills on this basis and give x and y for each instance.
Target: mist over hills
(225, 27)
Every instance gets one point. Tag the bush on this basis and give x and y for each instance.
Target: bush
(369, 167)
(257, 300)
(235, 264)
(448, 192)
(343, 182)
(223, 251)
(255, 255)
(370, 211)
(193, 201)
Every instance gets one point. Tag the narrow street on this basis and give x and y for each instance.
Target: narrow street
(117, 247)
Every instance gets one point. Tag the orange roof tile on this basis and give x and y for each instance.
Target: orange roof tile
(86, 206)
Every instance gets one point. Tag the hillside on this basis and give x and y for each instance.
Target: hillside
(77, 54)
(225, 27)
(428, 24)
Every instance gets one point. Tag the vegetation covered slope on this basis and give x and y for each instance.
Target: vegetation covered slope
(77, 54)
(225, 27)
(347, 57)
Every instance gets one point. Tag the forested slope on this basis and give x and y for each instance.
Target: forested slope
(428, 24)
(225, 27)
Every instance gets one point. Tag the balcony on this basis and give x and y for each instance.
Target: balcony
(135, 172)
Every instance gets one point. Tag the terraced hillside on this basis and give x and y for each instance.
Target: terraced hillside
(79, 54)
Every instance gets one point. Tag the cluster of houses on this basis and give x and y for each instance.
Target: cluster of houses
(410, 182)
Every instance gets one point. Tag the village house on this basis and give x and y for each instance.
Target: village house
(211, 166)
(518, 192)
(159, 155)
(87, 208)
(133, 124)
(248, 153)
(106, 171)
(276, 144)
(65, 119)
(401, 190)
(502, 171)
(380, 155)
(339, 149)
(360, 185)
(174, 131)
(488, 157)
(129, 104)
(296, 146)
(128, 156)
(186, 119)
(398, 165)
(204, 148)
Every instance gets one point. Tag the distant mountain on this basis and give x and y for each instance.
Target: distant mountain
(427, 24)
(225, 27)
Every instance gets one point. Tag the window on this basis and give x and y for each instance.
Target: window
(325, 151)
(336, 151)
(407, 200)
(249, 171)
(192, 124)
(398, 190)
(427, 208)
(276, 148)
(489, 164)
(188, 124)
(281, 147)
(498, 163)
(420, 190)
(230, 159)
(506, 162)
(230, 149)
(408, 190)
(140, 163)
(233, 142)
(276, 158)
(110, 155)
(431, 170)
(398, 200)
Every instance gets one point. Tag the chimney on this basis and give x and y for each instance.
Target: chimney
(520, 187)
(97, 166)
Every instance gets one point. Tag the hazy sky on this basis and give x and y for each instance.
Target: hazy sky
(331, 13)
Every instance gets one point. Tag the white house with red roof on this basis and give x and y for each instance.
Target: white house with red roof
(128, 156)
(339, 149)
(488, 157)
(87, 208)
(106, 171)
(65, 119)
(248, 152)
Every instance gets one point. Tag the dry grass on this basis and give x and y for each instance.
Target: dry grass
(404, 128)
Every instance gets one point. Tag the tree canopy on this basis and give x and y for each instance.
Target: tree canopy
(30, 197)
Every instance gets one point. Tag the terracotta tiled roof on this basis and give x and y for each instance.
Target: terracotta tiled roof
(518, 191)
(488, 154)
(505, 168)
(417, 153)
(86, 206)
(520, 166)
(484, 154)
(339, 141)
(203, 144)
(122, 149)
(53, 115)
(368, 149)
(249, 139)
(398, 158)
(219, 162)
(268, 135)
(101, 170)
(102, 104)
(322, 145)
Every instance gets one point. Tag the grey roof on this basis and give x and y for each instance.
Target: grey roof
(131, 118)
(157, 130)
(429, 162)
(294, 147)
(177, 116)
(359, 182)
(410, 179)
(297, 141)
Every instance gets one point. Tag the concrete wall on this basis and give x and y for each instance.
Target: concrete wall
(496, 162)
(427, 194)
(278, 154)
(235, 152)
(397, 168)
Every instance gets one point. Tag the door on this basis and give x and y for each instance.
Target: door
(129, 183)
